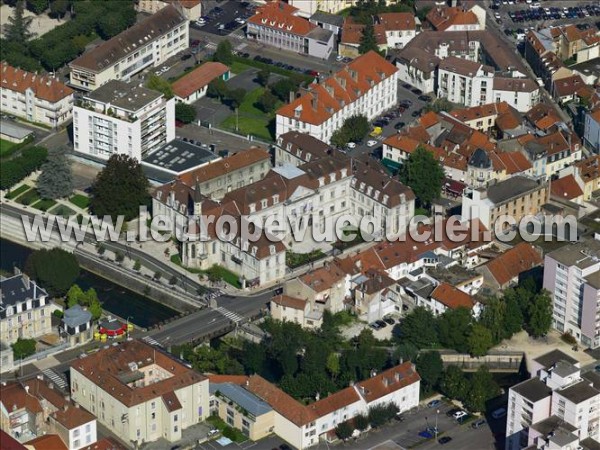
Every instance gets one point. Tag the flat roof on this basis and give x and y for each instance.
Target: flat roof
(551, 424)
(512, 188)
(178, 156)
(533, 389)
(128, 96)
(288, 171)
(581, 254)
(13, 130)
(579, 392)
(552, 357)
(594, 280)
(589, 67)
(241, 397)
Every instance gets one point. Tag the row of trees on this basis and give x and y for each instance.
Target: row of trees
(89, 18)
(15, 169)
(231, 97)
(522, 307)
(376, 417)
(55, 270)
(354, 129)
(89, 299)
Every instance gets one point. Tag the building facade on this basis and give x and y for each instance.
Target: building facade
(148, 43)
(465, 82)
(121, 118)
(36, 98)
(191, 9)
(591, 136)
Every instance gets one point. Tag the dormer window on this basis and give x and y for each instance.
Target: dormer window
(332, 177)
(276, 199)
(263, 203)
(321, 181)
(254, 249)
(272, 249)
(385, 199)
(288, 146)
(252, 207)
(344, 173)
(245, 246)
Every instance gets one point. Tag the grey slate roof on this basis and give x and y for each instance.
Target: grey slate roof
(18, 289)
(512, 188)
(127, 96)
(551, 424)
(533, 389)
(480, 159)
(241, 397)
(549, 359)
(331, 19)
(76, 316)
(579, 392)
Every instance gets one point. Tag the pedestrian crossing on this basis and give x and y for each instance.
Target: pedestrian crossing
(151, 341)
(211, 46)
(55, 378)
(230, 314)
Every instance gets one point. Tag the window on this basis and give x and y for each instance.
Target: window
(175, 418)
(153, 416)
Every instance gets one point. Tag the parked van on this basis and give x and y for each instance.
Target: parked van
(499, 413)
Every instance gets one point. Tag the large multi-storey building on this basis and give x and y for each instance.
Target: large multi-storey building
(558, 408)
(140, 393)
(279, 25)
(591, 136)
(36, 98)
(25, 312)
(465, 82)
(147, 43)
(572, 275)
(192, 9)
(367, 86)
(121, 118)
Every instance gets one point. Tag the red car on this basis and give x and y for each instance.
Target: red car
(195, 43)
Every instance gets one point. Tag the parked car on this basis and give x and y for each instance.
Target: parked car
(186, 56)
(375, 326)
(389, 320)
(426, 434)
(444, 440)
(416, 91)
(425, 98)
(453, 411)
(416, 113)
(212, 432)
(399, 125)
(499, 413)
(351, 145)
(434, 403)
(432, 430)
(407, 86)
(339, 58)
(459, 414)
(597, 368)
(195, 43)
(381, 323)
(478, 423)
(371, 143)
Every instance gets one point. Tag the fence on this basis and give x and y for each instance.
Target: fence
(496, 361)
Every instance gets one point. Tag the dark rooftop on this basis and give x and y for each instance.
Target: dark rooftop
(241, 397)
(533, 389)
(331, 19)
(320, 34)
(178, 156)
(127, 96)
(547, 360)
(551, 424)
(512, 188)
(18, 289)
(579, 392)
(593, 377)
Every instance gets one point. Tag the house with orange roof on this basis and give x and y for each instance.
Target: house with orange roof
(366, 86)
(567, 188)
(400, 27)
(452, 18)
(591, 134)
(75, 426)
(295, 310)
(37, 98)
(588, 171)
(445, 296)
(278, 24)
(504, 270)
(193, 85)
(352, 34)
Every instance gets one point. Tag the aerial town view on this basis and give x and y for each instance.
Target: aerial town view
(299, 224)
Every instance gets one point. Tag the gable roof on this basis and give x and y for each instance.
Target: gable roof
(289, 302)
(334, 402)
(72, 416)
(47, 442)
(452, 297)
(513, 262)
(443, 17)
(388, 381)
(44, 87)
(393, 21)
(565, 188)
(198, 78)
(281, 16)
(323, 278)
(14, 396)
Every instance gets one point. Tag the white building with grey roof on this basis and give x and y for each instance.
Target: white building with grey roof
(24, 309)
(558, 408)
(148, 43)
(122, 118)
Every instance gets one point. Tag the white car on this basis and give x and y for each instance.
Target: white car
(201, 21)
(459, 414)
(351, 145)
(240, 20)
(338, 58)
(371, 143)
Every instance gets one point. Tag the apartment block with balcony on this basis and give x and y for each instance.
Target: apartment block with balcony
(465, 82)
(367, 86)
(36, 98)
(121, 118)
(24, 309)
(149, 42)
(141, 393)
(571, 275)
(528, 402)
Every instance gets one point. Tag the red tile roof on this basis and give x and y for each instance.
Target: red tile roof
(14, 395)
(43, 86)
(282, 17)
(10, 443)
(565, 188)
(289, 302)
(452, 297)
(510, 264)
(335, 402)
(442, 18)
(47, 442)
(512, 162)
(323, 278)
(72, 416)
(393, 21)
(388, 381)
(198, 78)
(352, 33)
(589, 168)
(324, 99)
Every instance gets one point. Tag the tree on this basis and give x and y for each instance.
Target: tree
(282, 88)
(480, 340)
(344, 431)
(74, 296)
(58, 8)
(23, 348)
(381, 414)
(424, 174)
(361, 422)
(405, 351)
(89, 299)
(333, 365)
(454, 327)
(418, 328)
(157, 275)
(56, 179)
(137, 265)
(454, 383)
(493, 318)
(340, 138)
(267, 102)
(430, 367)
(17, 28)
(217, 89)
(235, 97)
(173, 280)
(119, 256)
(540, 314)
(439, 105)
(357, 127)
(513, 317)
(37, 6)
(368, 41)
(254, 358)
(224, 53)
(262, 76)
(482, 388)
(161, 85)
(120, 188)
(185, 113)
(55, 270)
(100, 248)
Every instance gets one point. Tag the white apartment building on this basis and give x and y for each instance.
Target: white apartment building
(121, 118)
(591, 135)
(367, 86)
(555, 409)
(520, 93)
(571, 277)
(139, 392)
(149, 42)
(400, 28)
(25, 312)
(36, 98)
(75, 426)
(465, 82)
(191, 9)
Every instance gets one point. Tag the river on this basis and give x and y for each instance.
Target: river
(122, 302)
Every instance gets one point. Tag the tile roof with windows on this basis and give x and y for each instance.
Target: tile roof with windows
(198, 78)
(452, 297)
(510, 264)
(303, 146)
(344, 87)
(43, 87)
(464, 67)
(394, 21)
(47, 442)
(388, 381)
(72, 416)
(282, 17)
(443, 17)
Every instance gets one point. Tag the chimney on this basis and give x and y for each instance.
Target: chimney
(26, 281)
(26, 389)
(315, 100)
(292, 96)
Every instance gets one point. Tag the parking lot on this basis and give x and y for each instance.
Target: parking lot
(226, 18)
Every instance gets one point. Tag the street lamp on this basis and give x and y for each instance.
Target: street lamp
(127, 326)
(437, 411)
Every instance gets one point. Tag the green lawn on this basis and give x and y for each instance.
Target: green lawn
(62, 210)
(5, 146)
(18, 191)
(29, 197)
(251, 119)
(83, 201)
(239, 67)
(44, 204)
(217, 272)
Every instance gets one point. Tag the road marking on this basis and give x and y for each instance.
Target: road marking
(55, 378)
(151, 341)
(230, 314)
